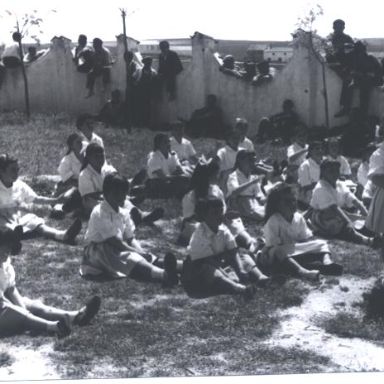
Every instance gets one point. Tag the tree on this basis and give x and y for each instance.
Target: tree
(26, 25)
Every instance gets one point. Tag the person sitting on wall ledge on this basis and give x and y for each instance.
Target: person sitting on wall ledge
(83, 55)
(11, 56)
(264, 73)
(101, 66)
(33, 55)
(249, 71)
(229, 66)
(336, 43)
(365, 73)
(207, 121)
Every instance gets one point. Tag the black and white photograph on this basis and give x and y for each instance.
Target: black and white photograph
(192, 190)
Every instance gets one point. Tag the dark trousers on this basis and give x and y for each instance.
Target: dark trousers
(94, 73)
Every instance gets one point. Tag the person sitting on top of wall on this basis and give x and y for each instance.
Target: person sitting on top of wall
(11, 56)
(264, 73)
(83, 55)
(229, 66)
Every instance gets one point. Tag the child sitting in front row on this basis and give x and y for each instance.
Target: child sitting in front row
(19, 314)
(214, 265)
(17, 199)
(112, 249)
(289, 243)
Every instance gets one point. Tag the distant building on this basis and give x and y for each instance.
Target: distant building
(278, 53)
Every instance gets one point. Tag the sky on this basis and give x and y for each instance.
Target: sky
(221, 19)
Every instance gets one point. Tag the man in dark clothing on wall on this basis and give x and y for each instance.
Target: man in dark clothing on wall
(169, 67)
(338, 40)
(83, 55)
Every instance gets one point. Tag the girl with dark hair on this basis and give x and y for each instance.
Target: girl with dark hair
(204, 185)
(289, 243)
(17, 200)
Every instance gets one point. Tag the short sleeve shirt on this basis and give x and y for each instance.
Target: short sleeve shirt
(19, 192)
(91, 181)
(7, 276)
(295, 148)
(345, 168)
(205, 242)
(324, 195)
(278, 231)
(105, 223)
(70, 167)
(237, 178)
(308, 173)
(184, 150)
(247, 145)
(157, 161)
(227, 156)
(94, 139)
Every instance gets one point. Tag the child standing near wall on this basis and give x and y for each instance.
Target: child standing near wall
(289, 243)
(19, 314)
(112, 249)
(214, 265)
(17, 200)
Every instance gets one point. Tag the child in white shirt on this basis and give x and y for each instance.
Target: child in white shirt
(19, 314)
(334, 153)
(85, 124)
(289, 243)
(297, 152)
(214, 265)
(241, 126)
(112, 249)
(17, 200)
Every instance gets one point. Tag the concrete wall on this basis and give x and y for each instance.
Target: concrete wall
(56, 86)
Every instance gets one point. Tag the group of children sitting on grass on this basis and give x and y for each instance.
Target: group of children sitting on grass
(221, 197)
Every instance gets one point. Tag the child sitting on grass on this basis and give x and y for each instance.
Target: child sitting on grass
(17, 200)
(85, 124)
(203, 186)
(289, 243)
(244, 191)
(91, 179)
(112, 249)
(166, 177)
(309, 172)
(334, 154)
(241, 126)
(329, 200)
(19, 314)
(214, 265)
(297, 152)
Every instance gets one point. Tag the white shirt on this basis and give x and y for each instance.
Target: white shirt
(295, 148)
(362, 173)
(237, 178)
(376, 167)
(11, 50)
(345, 168)
(278, 231)
(324, 195)
(184, 150)
(308, 173)
(227, 156)
(70, 167)
(94, 139)
(189, 200)
(157, 161)
(105, 223)
(7, 276)
(247, 145)
(204, 242)
(18, 193)
(91, 181)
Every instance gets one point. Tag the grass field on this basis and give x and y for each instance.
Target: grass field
(143, 330)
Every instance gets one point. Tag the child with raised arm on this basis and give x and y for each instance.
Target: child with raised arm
(243, 188)
(329, 200)
(214, 265)
(289, 243)
(112, 249)
(19, 314)
(17, 200)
